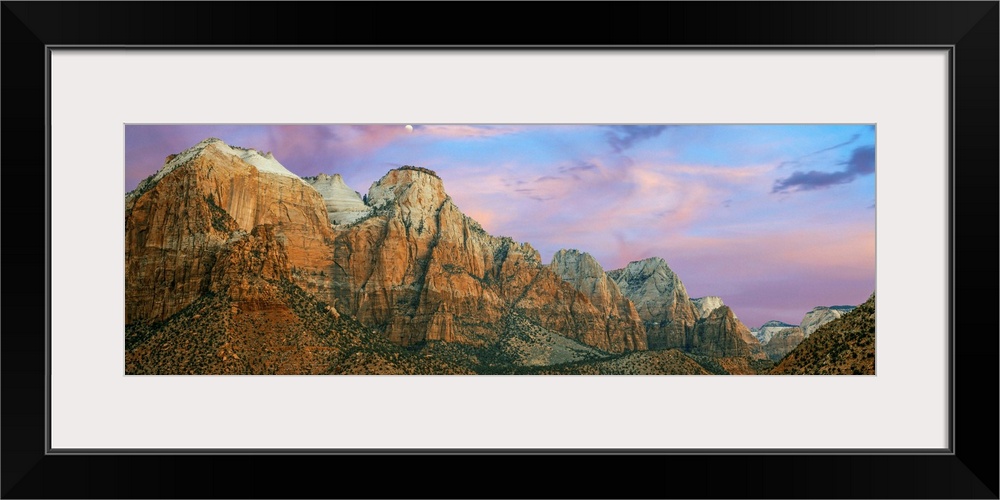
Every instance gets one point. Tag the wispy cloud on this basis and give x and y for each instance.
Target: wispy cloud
(799, 160)
(623, 137)
(861, 162)
(848, 142)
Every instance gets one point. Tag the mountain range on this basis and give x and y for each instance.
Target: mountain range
(235, 265)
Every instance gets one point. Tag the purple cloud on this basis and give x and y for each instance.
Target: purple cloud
(862, 162)
(623, 137)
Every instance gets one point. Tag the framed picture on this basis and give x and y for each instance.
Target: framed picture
(920, 78)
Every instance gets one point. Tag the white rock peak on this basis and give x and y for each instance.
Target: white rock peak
(821, 315)
(264, 163)
(652, 286)
(767, 331)
(654, 272)
(706, 305)
(343, 204)
(578, 261)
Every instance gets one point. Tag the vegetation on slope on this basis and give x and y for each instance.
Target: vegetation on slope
(844, 346)
(294, 334)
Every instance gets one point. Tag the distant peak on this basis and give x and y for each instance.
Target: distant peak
(841, 308)
(650, 260)
(776, 324)
(210, 140)
(570, 252)
(572, 256)
(648, 265)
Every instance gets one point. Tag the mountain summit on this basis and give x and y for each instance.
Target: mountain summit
(204, 204)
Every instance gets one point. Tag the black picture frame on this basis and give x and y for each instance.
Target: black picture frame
(970, 29)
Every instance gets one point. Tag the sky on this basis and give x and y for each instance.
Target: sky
(775, 219)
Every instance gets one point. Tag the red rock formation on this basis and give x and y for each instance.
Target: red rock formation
(199, 208)
(722, 335)
(422, 270)
(581, 270)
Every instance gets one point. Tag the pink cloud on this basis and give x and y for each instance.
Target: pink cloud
(342, 139)
(464, 131)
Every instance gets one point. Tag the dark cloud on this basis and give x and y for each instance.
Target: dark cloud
(861, 162)
(622, 137)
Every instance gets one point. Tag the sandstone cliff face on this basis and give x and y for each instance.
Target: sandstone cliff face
(820, 316)
(343, 204)
(422, 270)
(673, 320)
(722, 335)
(660, 299)
(783, 341)
(198, 209)
(586, 275)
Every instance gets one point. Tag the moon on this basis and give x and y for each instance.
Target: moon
(409, 128)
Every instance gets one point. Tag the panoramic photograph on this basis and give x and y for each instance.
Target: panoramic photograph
(499, 249)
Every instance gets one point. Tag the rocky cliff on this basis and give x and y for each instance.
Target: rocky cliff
(184, 223)
(778, 339)
(782, 342)
(673, 320)
(706, 305)
(343, 204)
(769, 329)
(586, 275)
(820, 316)
(721, 334)
(660, 299)
(420, 269)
